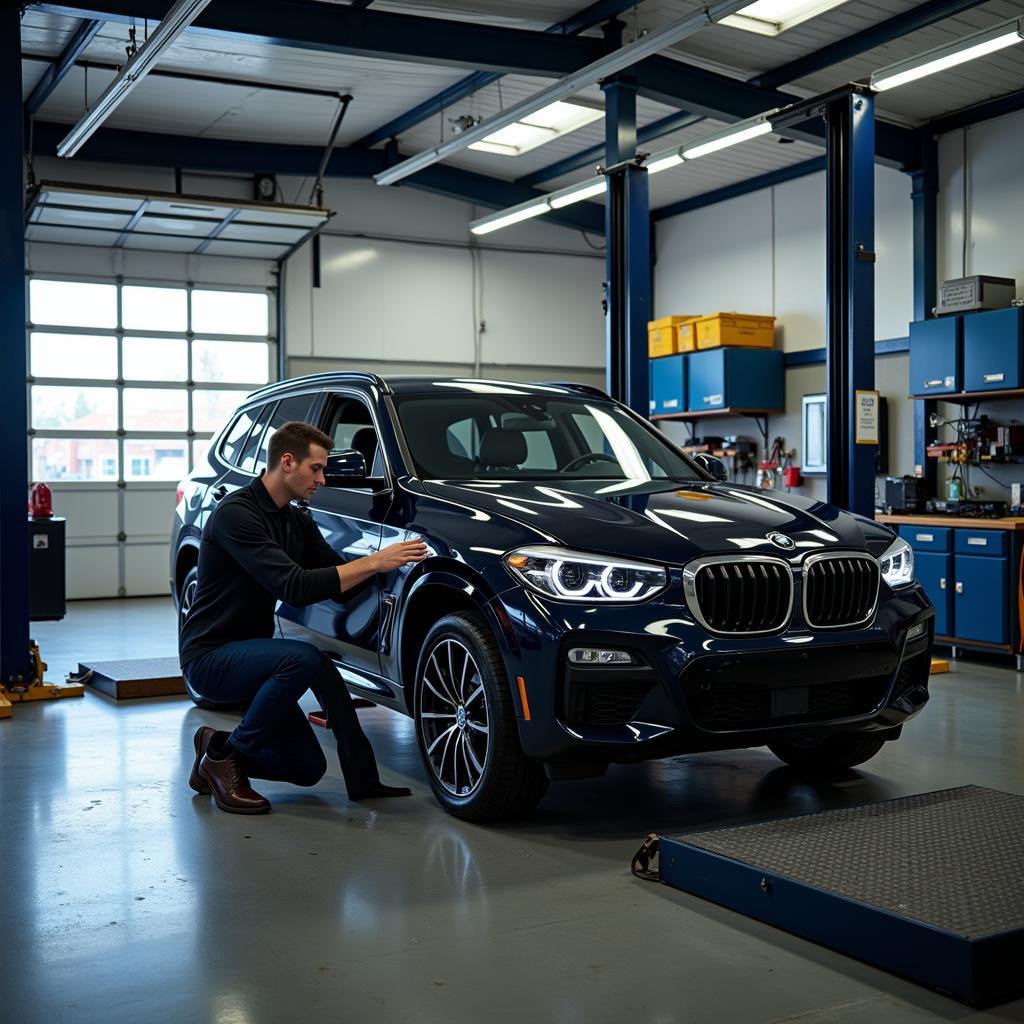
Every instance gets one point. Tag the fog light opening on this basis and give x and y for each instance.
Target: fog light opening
(600, 656)
(915, 631)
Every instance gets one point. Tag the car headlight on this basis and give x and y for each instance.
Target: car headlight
(898, 563)
(578, 576)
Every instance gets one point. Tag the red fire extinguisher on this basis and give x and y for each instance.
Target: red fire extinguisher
(40, 502)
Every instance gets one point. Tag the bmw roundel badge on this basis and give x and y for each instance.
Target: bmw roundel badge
(781, 540)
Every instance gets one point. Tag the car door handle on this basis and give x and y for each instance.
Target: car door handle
(220, 492)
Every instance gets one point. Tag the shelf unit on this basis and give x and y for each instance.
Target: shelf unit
(760, 417)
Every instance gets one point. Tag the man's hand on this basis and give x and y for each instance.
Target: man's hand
(396, 555)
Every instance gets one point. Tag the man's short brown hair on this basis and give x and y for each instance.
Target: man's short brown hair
(295, 438)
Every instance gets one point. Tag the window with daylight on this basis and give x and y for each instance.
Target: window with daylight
(129, 381)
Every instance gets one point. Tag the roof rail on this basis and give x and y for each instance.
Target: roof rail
(335, 375)
(579, 387)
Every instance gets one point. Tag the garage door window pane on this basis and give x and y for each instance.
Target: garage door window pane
(212, 409)
(73, 355)
(155, 359)
(200, 448)
(154, 309)
(230, 312)
(155, 409)
(235, 362)
(73, 304)
(57, 459)
(73, 408)
(155, 460)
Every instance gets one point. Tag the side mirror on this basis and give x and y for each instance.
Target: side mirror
(713, 465)
(345, 468)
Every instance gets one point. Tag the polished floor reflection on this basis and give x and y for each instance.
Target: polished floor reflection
(128, 898)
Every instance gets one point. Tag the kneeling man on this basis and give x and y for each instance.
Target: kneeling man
(257, 548)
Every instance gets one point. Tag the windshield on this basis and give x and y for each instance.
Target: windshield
(530, 437)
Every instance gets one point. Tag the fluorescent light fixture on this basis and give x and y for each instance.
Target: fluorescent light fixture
(486, 225)
(577, 193)
(742, 131)
(544, 125)
(770, 17)
(663, 161)
(177, 19)
(978, 44)
(620, 59)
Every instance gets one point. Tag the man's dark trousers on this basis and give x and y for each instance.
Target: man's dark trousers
(274, 737)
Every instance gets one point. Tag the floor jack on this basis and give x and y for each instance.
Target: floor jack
(37, 688)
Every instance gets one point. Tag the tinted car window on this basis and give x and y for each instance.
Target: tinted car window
(351, 426)
(236, 435)
(294, 407)
(528, 437)
(247, 459)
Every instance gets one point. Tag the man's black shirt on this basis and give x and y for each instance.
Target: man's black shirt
(251, 555)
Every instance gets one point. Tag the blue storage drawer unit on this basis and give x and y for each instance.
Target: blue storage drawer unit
(928, 538)
(994, 350)
(936, 356)
(981, 542)
(668, 385)
(981, 611)
(736, 378)
(934, 571)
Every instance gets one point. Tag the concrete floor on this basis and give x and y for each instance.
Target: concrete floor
(128, 898)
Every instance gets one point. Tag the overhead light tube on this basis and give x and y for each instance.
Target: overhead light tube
(486, 225)
(577, 193)
(175, 21)
(741, 131)
(662, 161)
(978, 44)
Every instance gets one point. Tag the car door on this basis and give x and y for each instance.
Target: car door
(351, 521)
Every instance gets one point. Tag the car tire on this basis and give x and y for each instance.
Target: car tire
(186, 597)
(833, 753)
(466, 725)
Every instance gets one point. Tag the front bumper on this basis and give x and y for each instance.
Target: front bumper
(692, 691)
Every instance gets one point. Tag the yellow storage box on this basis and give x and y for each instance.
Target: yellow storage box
(661, 336)
(686, 335)
(735, 329)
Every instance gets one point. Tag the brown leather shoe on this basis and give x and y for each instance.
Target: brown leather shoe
(230, 786)
(201, 741)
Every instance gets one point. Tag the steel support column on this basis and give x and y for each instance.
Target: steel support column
(14, 635)
(924, 193)
(850, 354)
(628, 235)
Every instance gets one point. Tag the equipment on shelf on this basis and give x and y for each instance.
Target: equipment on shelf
(969, 294)
(971, 509)
(904, 494)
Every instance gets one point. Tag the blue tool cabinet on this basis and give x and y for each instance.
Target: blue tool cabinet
(969, 575)
(994, 350)
(668, 385)
(936, 356)
(736, 378)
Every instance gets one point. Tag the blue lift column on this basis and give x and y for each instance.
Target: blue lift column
(628, 260)
(850, 263)
(924, 195)
(14, 628)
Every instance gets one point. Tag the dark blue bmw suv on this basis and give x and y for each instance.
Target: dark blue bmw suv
(591, 595)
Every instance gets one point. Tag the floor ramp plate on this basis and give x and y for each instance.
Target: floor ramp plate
(134, 678)
(930, 886)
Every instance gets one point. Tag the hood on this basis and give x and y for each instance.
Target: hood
(666, 522)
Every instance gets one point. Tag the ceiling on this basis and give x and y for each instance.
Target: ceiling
(248, 110)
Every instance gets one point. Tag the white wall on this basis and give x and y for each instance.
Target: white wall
(404, 288)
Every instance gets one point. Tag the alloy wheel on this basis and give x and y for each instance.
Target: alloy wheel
(453, 717)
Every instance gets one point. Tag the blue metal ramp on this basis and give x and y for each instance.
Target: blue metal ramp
(930, 887)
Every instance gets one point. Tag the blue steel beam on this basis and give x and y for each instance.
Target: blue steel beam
(860, 42)
(54, 74)
(331, 28)
(741, 188)
(14, 622)
(1008, 104)
(850, 296)
(587, 18)
(152, 149)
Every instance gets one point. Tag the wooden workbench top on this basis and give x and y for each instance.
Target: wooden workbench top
(1007, 523)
